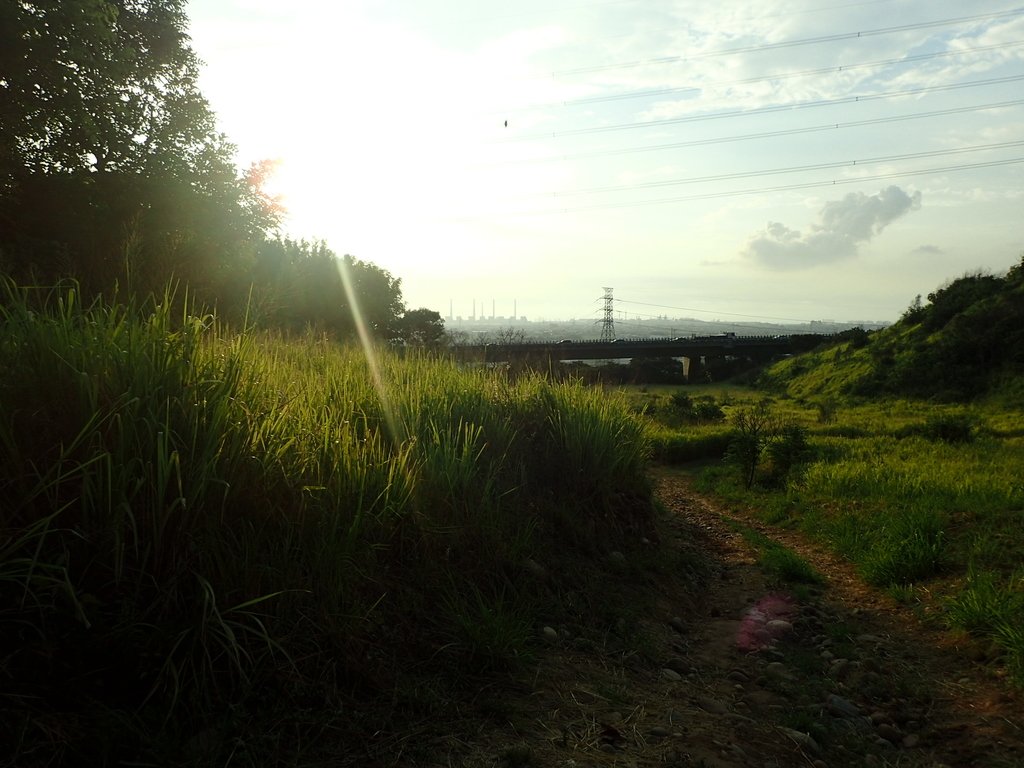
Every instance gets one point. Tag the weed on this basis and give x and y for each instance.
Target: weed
(982, 602)
(909, 546)
(490, 632)
(789, 566)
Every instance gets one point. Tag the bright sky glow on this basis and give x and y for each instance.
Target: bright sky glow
(805, 159)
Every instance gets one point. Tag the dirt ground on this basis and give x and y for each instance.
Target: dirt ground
(750, 673)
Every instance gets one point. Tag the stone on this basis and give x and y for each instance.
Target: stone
(677, 624)
(671, 674)
(779, 627)
(841, 707)
(550, 634)
(890, 733)
(911, 741)
(839, 669)
(682, 666)
(805, 740)
(714, 706)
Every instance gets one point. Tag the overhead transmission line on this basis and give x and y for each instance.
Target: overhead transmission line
(779, 188)
(791, 43)
(767, 134)
(772, 108)
(787, 169)
(622, 96)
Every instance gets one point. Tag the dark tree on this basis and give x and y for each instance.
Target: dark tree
(422, 328)
(105, 140)
(299, 284)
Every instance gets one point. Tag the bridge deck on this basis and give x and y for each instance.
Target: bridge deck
(762, 347)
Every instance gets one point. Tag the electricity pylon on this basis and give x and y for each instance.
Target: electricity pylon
(608, 321)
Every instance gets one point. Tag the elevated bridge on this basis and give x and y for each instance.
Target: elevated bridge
(757, 348)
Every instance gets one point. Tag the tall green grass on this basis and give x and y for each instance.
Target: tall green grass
(195, 520)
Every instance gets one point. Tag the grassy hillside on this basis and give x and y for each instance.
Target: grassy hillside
(966, 342)
(901, 449)
(216, 546)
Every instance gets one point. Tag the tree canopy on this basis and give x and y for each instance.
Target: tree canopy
(422, 328)
(105, 139)
(103, 85)
(112, 171)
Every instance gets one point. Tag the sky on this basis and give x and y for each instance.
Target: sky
(763, 160)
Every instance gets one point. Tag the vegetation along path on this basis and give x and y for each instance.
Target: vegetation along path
(781, 659)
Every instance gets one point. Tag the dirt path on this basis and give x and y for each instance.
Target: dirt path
(745, 674)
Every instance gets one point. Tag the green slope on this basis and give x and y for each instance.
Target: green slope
(965, 343)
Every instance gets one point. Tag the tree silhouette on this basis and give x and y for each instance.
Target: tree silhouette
(105, 139)
(422, 328)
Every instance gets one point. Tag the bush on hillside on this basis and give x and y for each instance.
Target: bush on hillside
(946, 428)
(963, 344)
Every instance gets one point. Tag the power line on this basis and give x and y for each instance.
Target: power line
(780, 188)
(790, 43)
(587, 100)
(767, 134)
(772, 108)
(789, 169)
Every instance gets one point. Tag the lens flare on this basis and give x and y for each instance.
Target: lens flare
(396, 430)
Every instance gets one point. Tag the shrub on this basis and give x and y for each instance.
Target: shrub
(703, 410)
(757, 431)
(909, 547)
(679, 447)
(752, 429)
(786, 451)
(954, 429)
(708, 411)
(826, 411)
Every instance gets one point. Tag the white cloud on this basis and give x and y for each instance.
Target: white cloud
(842, 227)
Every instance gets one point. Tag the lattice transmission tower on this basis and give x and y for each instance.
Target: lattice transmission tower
(608, 321)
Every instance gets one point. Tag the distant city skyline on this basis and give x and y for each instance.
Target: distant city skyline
(767, 158)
